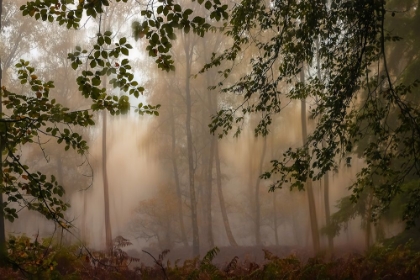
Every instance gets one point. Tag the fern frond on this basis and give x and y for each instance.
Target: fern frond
(232, 265)
(163, 254)
(269, 256)
(208, 258)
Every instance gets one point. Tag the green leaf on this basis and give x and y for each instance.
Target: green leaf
(124, 51)
(177, 8)
(208, 5)
(101, 41)
(123, 40)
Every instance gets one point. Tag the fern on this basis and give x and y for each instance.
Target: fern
(269, 256)
(231, 265)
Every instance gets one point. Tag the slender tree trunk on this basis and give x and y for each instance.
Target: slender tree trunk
(191, 171)
(257, 196)
(276, 234)
(229, 234)
(212, 107)
(275, 222)
(327, 210)
(176, 177)
(108, 232)
(168, 229)
(208, 198)
(2, 228)
(309, 190)
(296, 231)
(60, 179)
(108, 229)
(368, 215)
(326, 175)
(83, 229)
(209, 193)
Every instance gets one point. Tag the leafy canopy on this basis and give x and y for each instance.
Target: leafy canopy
(363, 103)
(33, 113)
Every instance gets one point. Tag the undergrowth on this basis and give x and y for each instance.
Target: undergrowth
(43, 259)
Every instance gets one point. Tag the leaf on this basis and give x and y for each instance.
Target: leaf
(124, 51)
(122, 41)
(177, 8)
(208, 5)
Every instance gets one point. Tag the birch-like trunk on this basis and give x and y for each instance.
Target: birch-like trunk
(191, 169)
(226, 223)
(309, 189)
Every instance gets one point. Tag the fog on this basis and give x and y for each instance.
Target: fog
(172, 184)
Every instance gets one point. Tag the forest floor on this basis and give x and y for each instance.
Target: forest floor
(277, 262)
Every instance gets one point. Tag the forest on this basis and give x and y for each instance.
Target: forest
(209, 139)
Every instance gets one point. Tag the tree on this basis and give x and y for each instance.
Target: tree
(2, 229)
(354, 53)
(309, 188)
(32, 117)
(402, 18)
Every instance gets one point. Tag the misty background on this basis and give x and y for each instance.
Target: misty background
(169, 180)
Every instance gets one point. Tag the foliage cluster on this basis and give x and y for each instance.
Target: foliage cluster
(363, 101)
(47, 260)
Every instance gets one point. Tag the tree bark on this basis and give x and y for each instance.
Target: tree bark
(275, 222)
(209, 193)
(309, 190)
(226, 223)
(326, 175)
(276, 234)
(257, 196)
(327, 210)
(108, 232)
(212, 108)
(191, 170)
(2, 228)
(368, 217)
(176, 177)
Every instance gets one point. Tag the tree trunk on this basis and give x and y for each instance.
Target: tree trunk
(2, 228)
(326, 175)
(275, 222)
(60, 180)
(209, 193)
(191, 171)
(108, 232)
(221, 197)
(212, 108)
(309, 190)
(276, 234)
(176, 177)
(108, 229)
(327, 210)
(257, 196)
(83, 229)
(368, 217)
